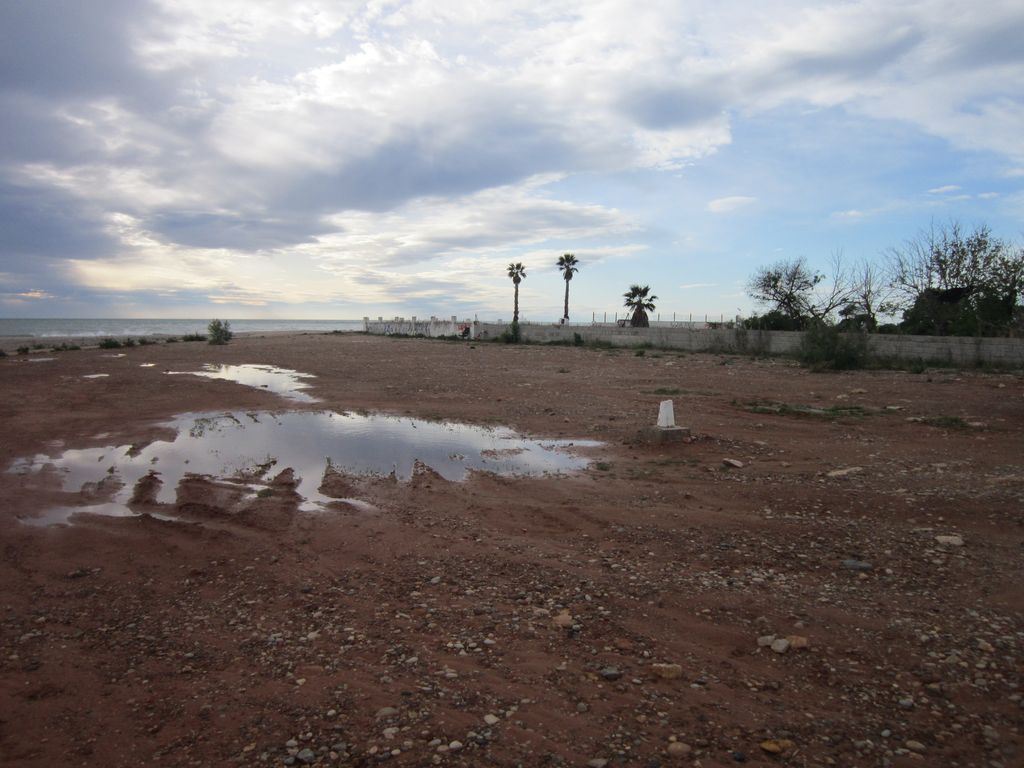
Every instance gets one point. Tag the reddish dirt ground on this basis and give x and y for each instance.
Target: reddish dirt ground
(622, 615)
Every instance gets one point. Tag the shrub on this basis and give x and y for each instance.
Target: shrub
(512, 334)
(220, 331)
(825, 347)
(128, 343)
(145, 342)
(193, 337)
(110, 344)
(2, 353)
(577, 340)
(171, 340)
(22, 350)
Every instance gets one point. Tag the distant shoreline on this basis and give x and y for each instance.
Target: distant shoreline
(10, 344)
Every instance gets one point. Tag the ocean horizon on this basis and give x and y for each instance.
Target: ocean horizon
(125, 327)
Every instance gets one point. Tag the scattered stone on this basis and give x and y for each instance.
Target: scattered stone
(667, 671)
(611, 673)
(950, 541)
(597, 762)
(455, 746)
(733, 463)
(915, 746)
(776, 746)
(985, 646)
(798, 642)
(306, 756)
(491, 719)
(765, 640)
(844, 472)
(386, 712)
(679, 749)
(781, 645)
(857, 565)
(563, 620)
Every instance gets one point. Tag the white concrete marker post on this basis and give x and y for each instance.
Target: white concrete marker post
(666, 430)
(666, 415)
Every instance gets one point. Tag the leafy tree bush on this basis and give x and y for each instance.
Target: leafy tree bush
(958, 282)
(220, 331)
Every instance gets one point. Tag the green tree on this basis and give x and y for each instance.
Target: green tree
(568, 265)
(220, 331)
(641, 301)
(517, 272)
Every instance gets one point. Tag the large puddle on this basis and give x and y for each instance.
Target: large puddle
(281, 381)
(251, 448)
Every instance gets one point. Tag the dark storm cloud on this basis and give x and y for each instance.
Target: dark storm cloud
(40, 224)
(660, 107)
(491, 155)
(70, 48)
(241, 232)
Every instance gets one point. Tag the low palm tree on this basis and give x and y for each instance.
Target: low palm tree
(567, 264)
(517, 272)
(641, 301)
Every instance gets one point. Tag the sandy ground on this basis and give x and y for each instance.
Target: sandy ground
(623, 615)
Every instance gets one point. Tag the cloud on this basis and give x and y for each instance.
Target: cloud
(943, 190)
(416, 251)
(729, 204)
(850, 215)
(690, 286)
(389, 140)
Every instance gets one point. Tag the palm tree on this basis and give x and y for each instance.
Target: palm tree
(640, 302)
(567, 265)
(518, 273)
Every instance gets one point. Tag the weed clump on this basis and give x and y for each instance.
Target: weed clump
(824, 347)
(109, 344)
(194, 337)
(511, 335)
(220, 331)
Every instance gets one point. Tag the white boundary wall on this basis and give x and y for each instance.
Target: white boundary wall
(952, 350)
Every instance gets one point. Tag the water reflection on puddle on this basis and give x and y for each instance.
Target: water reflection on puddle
(251, 448)
(281, 381)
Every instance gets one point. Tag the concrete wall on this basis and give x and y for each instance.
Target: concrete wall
(951, 350)
(434, 327)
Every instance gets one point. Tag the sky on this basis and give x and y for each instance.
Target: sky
(326, 159)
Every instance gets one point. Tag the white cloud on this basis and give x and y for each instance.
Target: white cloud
(729, 204)
(850, 215)
(425, 249)
(943, 189)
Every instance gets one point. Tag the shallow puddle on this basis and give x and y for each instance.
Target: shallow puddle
(281, 381)
(95, 375)
(251, 448)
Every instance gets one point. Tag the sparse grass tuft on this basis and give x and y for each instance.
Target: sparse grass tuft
(194, 337)
(110, 344)
(793, 409)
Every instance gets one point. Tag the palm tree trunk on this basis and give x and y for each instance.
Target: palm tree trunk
(515, 313)
(565, 316)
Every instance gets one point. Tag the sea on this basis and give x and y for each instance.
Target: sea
(123, 327)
